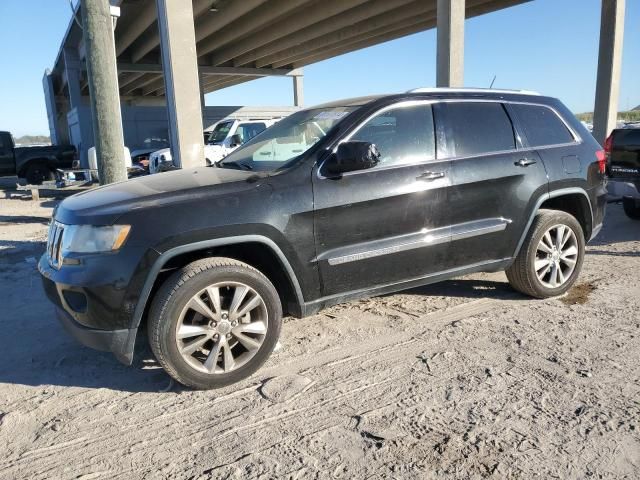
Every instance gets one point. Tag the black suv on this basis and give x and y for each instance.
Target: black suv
(344, 200)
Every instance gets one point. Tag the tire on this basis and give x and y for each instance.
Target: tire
(546, 282)
(630, 208)
(37, 173)
(209, 365)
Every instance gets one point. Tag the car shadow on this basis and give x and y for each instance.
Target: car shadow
(36, 351)
(469, 288)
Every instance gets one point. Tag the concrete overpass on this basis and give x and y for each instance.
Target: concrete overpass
(172, 52)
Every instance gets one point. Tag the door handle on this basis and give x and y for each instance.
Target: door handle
(430, 175)
(524, 162)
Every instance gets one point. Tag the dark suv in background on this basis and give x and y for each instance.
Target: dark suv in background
(344, 200)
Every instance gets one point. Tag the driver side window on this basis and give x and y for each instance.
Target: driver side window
(403, 135)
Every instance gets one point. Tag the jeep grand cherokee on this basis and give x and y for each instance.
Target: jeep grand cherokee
(344, 200)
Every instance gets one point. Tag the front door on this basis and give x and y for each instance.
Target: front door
(388, 224)
(494, 182)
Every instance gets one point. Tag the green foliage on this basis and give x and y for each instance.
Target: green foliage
(630, 116)
(32, 139)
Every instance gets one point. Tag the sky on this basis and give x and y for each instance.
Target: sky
(550, 46)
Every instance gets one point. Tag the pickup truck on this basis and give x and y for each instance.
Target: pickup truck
(622, 149)
(36, 164)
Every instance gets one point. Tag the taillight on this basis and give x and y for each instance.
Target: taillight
(602, 161)
(608, 143)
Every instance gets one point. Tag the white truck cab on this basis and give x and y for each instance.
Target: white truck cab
(220, 139)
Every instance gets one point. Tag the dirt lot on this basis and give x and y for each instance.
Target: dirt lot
(465, 379)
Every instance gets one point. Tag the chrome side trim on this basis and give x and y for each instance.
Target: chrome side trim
(478, 227)
(423, 238)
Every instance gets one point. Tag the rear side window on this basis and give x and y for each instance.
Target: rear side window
(403, 135)
(542, 126)
(478, 128)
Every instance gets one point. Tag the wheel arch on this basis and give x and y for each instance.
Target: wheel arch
(573, 201)
(32, 161)
(258, 251)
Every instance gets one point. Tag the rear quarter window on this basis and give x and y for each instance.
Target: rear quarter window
(542, 126)
(479, 128)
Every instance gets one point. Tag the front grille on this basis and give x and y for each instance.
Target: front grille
(54, 244)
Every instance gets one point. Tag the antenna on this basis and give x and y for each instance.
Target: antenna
(494, 79)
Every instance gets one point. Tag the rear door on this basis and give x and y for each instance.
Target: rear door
(7, 161)
(387, 224)
(495, 182)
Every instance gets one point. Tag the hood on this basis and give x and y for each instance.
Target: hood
(164, 151)
(104, 205)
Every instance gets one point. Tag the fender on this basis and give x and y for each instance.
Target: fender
(543, 198)
(217, 242)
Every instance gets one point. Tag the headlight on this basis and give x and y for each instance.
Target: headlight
(92, 239)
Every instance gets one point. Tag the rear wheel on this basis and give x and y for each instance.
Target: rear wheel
(214, 322)
(37, 173)
(630, 208)
(551, 257)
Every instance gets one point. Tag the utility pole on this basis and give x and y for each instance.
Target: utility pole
(108, 135)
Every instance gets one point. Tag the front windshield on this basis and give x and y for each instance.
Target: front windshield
(286, 140)
(219, 133)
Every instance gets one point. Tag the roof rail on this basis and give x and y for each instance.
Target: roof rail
(470, 90)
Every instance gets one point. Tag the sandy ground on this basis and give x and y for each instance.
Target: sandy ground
(465, 379)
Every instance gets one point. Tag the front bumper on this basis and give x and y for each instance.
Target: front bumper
(92, 305)
(119, 342)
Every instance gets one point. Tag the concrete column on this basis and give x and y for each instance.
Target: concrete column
(52, 108)
(298, 90)
(103, 89)
(609, 66)
(182, 82)
(450, 54)
(72, 68)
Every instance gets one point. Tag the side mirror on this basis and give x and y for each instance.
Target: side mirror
(236, 141)
(352, 156)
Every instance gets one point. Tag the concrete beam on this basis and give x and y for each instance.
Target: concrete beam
(354, 19)
(143, 20)
(605, 111)
(207, 70)
(128, 79)
(227, 83)
(342, 48)
(293, 23)
(230, 13)
(360, 31)
(182, 84)
(265, 15)
(143, 81)
(450, 49)
(141, 49)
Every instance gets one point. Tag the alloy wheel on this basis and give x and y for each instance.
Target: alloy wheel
(556, 256)
(222, 327)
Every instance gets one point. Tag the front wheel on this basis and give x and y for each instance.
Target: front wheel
(214, 322)
(37, 173)
(630, 208)
(551, 257)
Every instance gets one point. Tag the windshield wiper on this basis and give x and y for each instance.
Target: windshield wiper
(243, 166)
